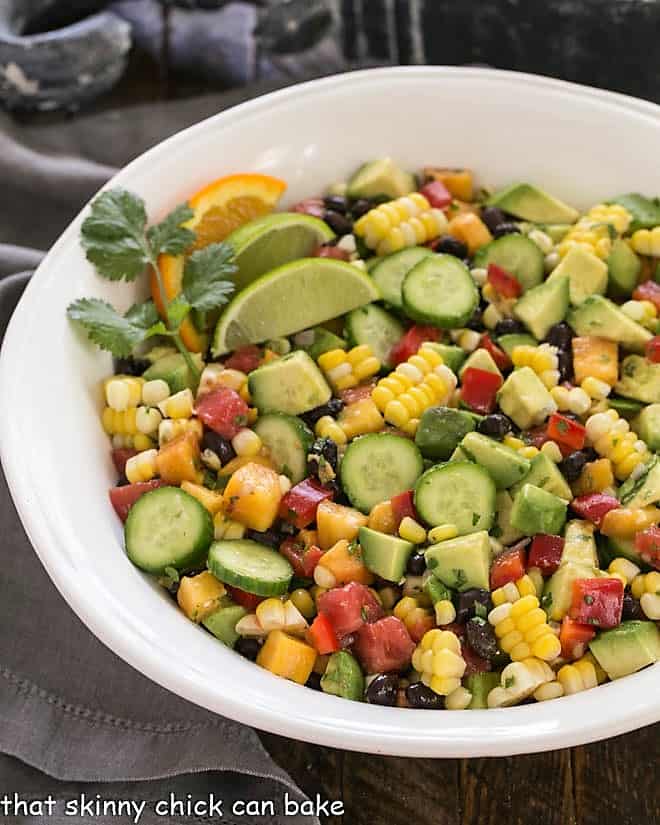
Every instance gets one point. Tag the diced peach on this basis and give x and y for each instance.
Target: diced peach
(595, 357)
(178, 460)
(252, 496)
(344, 561)
(335, 522)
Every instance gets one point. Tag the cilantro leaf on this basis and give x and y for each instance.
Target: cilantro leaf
(119, 334)
(177, 311)
(204, 278)
(645, 211)
(169, 236)
(113, 235)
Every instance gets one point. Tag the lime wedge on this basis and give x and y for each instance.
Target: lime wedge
(291, 298)
(273, 240)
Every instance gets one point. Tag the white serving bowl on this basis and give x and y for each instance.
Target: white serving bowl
(580, 143)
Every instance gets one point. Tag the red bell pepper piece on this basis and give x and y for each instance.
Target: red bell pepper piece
(498, 355)
(403, 505)
(322, 635)
(412, 341)
(574, 638)
(299, 505)
(247, 600)
(503, 282)
(647, 544)
(509, 566)
(302, 559)
(545, 553)
(244, 359)
(437, 194)
(123, 498)
(120, 456)
(648, 291)
(479, 389)
(594, 506)
(653, 349)
(223, 411)
(566, 431)
(598, 602)
(327, 251)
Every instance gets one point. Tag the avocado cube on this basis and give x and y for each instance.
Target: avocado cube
(343, 677)
(440, 430)
(463, 562)
(480, 359)
(647, 426)
(543, 306)
(599, 316)
(173, 370)
(516, 339)
(222, 623)
(504, 465)
(558, 592)
(579, 544)
(545, 474)
(324, 341)
(537, 511)
(292, 384)
(533, 204)
(640, 379)
(644, 489)
(525, 399)
(503, 531)
(587, 274)
(385, 555)
(627, 648)
(452, 356)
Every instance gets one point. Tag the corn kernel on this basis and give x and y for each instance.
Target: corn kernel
(551, 450)
(411, 530)
(171, 428)
(625, 568)
(327, 427)
(179, 405)
(542, 240)
(324, 577)
(458, 699)
(142, 467)
(650, 604)
(595, 388)
(550, 690)
(442, 532)
(445, 612)
(246, 443)
(147, 420)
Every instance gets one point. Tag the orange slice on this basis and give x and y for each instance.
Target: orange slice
(220, 208)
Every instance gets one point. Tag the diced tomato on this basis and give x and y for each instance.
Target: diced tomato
(299, 505)
(310, 559)
(223, 411)
(247, 600)
(326, 251)
(509, 566)
(322, 635)
(349, 607)
(123, 498)
(384, 645)
(302, 559)
(545, 553)
(437, 194)
(244, 359)
(479, 389)
(503, 282)
(359, 393)
(422, 624)
(412, 341)
(474, 663)
(647, 544)
(566, 431)
(594, 506)
(653, 349)
(119, 458)
(648, 291)
(574, 638)
(597, 602)
(498, 355)
(403, 505)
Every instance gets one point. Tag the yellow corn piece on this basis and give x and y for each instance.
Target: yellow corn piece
(523, 630)
(439, 661)
(142, 467)
(123, 392)
(647, 241)
(120, 423)
(612, 438)
(406, 221)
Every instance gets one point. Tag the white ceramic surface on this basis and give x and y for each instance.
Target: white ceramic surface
(580, 143)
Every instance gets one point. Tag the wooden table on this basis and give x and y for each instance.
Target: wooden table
(607, 783)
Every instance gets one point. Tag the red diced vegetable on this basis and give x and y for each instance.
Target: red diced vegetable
(422, 623)
(310, 206)
(597, 602)
(509, 566)
(359, 393)
(647, 544)
(498, 355)
(503, 282)
(473, 662)
(120, 456)
(648, 291)
(247, 600)
(479, 389)
(545, 553)
(123, 498)
(594, 506)
(293, 551)
(402, 506)
(244, 359)
(412, 341)
(653, 349)
(326, 251)
(299, 505)
(223, 411)
(310, 559)
(349, 607)
(384, 645)
(574, 638)
(536, 437)
(437, 194)
(566, 431)
(322, 635)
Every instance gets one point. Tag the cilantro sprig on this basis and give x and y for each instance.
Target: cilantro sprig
(118, 243)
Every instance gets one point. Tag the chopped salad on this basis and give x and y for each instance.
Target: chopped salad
(398, 443)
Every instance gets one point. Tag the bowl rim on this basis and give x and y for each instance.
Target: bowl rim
(574, 720)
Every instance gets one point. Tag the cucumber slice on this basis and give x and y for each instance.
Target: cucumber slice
(167, 527)
(371, 325)
(389, 272)
(518, 255)
(459, 493)
(440, 291)
(288, 440)
(378, 466)
(251, 566)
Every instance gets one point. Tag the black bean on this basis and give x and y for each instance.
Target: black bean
(560, 335)
(632, 608)
(508, 326)
(495, 425)
(338, 223)
(314, 681)
(565, 364)
(493, 216)
(333, 408)
(572, 465)
(322, 450)
(337, 203)
(471, 600)
(383, 689)
(508, 228)
(450, 245)
(475, 321)
(122, 481)
(360, 207)
(420, 696)
(590, 453)
(416, 564)
(272, 538)
(481, 638)
(247, 647)
(131, 366)
(219, 445)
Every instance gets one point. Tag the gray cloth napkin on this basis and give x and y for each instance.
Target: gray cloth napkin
(72, 712)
